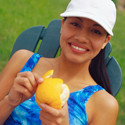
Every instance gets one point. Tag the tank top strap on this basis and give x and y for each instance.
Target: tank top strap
(31, 62)
(82, 96)
(90, 90)
(77, 104)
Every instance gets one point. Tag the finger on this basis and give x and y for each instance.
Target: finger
(48, 118)
(44, 121)
(23, 90)
(50, 110)
(47, 115)
(23, 81)
(32, 78)
(54, 116)
(64, 109)
(55, 112)
(18, 94)
(23, 86)
(38, 78)
(44, 118)
(29, 76)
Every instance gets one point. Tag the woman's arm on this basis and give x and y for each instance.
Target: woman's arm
(5, 110)
(16, 87)
(11, 70)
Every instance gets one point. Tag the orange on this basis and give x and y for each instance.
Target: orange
(48, 74)
(52, 91)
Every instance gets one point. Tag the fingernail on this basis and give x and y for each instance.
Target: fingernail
(40, 80)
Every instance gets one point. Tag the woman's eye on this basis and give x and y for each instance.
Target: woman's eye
(75, 24)
(96, 32)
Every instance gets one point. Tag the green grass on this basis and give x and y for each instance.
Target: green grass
(118, 44)
(16, 16)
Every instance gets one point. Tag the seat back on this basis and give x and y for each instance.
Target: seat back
(46, 41)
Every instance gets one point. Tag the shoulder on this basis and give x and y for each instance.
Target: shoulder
(105, 108)
(22, 53)
(21, 56)
(105, 100)
(16, 62)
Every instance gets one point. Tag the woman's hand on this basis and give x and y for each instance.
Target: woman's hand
(51, 116)
(24, 87)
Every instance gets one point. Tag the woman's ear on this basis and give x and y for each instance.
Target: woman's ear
(62, 25)
(62, 20)
(106, 41)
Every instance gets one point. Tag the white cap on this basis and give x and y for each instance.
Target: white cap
(101, 11)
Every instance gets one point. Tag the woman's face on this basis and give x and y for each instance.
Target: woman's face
(81, 39)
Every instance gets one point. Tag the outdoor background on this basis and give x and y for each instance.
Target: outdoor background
(18, 15)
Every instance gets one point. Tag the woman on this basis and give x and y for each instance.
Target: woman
(86, 29)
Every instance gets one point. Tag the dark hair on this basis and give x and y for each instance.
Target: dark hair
(65, 18)
(98, 71)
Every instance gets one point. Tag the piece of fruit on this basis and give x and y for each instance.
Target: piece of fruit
(52, 91)
(48, 74)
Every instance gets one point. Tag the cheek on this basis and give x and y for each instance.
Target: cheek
(66, 34)
(97, 43)
(97, 46)
(66, 31)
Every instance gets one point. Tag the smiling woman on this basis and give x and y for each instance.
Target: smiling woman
(81, 65)
(85, 38)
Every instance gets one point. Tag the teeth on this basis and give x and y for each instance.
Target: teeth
(81, 49)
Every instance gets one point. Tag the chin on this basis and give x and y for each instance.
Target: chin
(76, 60)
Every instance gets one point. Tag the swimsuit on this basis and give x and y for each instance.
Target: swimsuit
(27, 113)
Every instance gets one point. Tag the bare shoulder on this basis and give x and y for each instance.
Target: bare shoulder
(107, 99)
(22, 54)
(18, 59)
(105, 108)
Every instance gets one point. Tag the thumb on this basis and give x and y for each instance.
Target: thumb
(49, 109)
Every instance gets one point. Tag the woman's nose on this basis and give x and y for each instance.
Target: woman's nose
(82, 35)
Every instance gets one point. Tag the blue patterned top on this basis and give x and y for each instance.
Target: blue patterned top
(27, 113)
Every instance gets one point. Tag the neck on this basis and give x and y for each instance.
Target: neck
(68, 70)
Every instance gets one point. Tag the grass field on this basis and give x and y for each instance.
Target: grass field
(118, 51)
(16, 16)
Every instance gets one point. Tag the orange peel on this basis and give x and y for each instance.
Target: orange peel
(52, 91)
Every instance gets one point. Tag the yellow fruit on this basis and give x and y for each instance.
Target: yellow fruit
(52, 91)
(48, 74)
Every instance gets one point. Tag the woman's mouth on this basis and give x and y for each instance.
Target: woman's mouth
(78, 48)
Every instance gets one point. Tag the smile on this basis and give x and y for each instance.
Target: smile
(78, 48)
